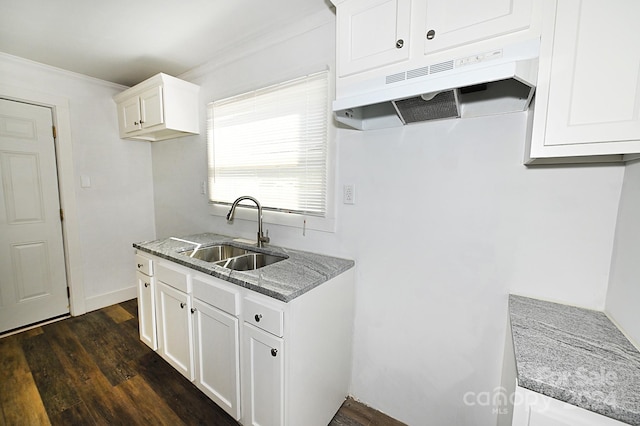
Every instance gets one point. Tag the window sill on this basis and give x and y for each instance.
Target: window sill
(293, 220)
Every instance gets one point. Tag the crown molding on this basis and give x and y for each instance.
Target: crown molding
(256, 42)
(5, 57)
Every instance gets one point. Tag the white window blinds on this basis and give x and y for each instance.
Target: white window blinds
(272, 144)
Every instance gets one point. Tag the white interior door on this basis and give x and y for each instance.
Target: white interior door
(33, 284)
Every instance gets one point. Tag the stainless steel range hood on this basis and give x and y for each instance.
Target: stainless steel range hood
(492, 82)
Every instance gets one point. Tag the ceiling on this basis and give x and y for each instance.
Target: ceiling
(127, 41)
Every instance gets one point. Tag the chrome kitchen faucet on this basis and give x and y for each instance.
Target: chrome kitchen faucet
(262, 239)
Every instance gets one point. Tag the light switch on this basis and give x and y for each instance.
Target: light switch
(85, 181)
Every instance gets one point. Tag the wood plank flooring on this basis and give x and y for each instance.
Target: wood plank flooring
(94, 370)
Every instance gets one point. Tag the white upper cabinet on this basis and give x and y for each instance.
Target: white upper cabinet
(151, 107)
(161, 107)
(371, 33)
(588, 95)
(453, 23)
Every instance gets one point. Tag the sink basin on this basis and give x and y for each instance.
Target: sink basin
(250, 261)
(215, 253)
(234, 258)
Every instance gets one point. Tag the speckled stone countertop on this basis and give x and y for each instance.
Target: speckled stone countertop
(285, 280)
(577, 356)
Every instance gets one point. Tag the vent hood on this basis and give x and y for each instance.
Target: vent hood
(499, 81)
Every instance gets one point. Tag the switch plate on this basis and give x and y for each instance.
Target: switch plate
(349, 193)
(85, 181)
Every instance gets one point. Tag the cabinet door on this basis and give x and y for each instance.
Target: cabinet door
(452, 23)
(217, 356)
(568, 416)
(263, 378)
(534, 409)
(147, 310)
(130, 114)
(371, 34)
(151, 108)
(175, 328)
(594, 85)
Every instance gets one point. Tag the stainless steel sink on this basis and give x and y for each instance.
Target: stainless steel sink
(215, 253)
(250, 261)
(232, 257)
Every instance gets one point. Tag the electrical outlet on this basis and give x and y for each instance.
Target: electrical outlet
(349, 193)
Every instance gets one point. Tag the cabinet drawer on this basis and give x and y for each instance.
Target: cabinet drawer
(265, 317)
(216, 294)
(144, 265)
(176, 278)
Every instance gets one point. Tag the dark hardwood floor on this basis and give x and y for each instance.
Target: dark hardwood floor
(93, 370)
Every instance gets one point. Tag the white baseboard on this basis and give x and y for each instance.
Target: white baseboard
(108, 299)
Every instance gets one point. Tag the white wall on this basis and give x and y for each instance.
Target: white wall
(624, 286)
(117, 209)
(447, 222)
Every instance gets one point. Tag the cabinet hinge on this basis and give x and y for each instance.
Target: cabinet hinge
(61, 215)
(68, 293)
(54, 131)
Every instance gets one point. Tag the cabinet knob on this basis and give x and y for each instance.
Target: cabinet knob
(193, 310)
(182, 305)
(141, 122)
(274, 352)
(431, 34)
(399, 44)
(147, 284)
(135, 123)
(258, 317)
(140, 265)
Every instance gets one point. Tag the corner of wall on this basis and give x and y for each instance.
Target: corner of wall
(624, 279)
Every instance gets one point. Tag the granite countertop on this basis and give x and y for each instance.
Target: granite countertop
(577, 356)
(285, 280)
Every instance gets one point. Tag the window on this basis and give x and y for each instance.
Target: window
(272, 144)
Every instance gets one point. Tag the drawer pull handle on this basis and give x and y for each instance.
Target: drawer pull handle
(140, 265)
(182, 305)
(258, 317)
(147, 284)
(274, 352)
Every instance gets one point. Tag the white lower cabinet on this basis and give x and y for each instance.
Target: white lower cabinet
(174, 319)
(147, 310)
(263, 385)
(296, 356)
(146, 301)
(535, 409)
(217, 356)
(175, 342)
(265, 362)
